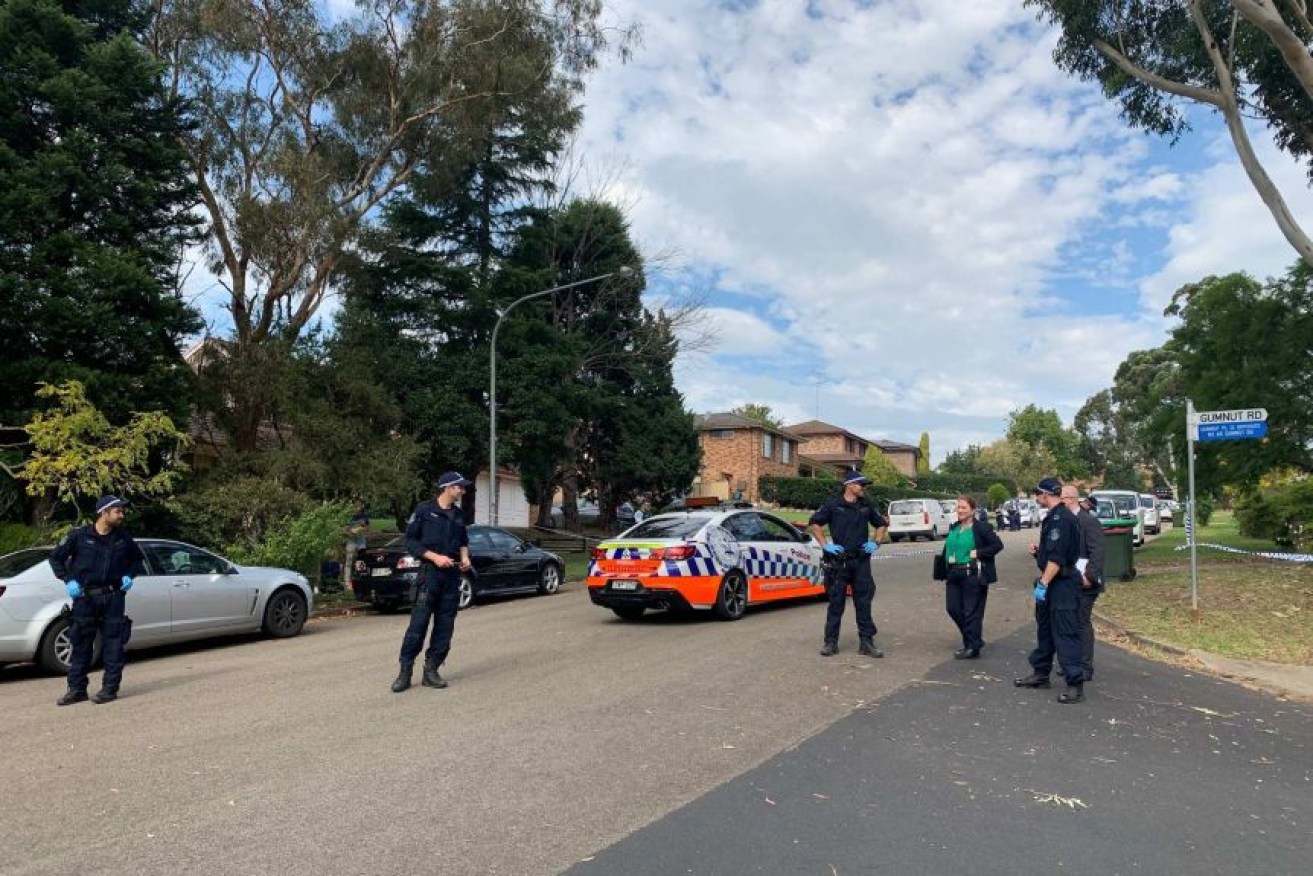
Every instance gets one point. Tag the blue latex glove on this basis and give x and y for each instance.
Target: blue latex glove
(871, 547)
(1041, 592)
(73, 588)
(833, 548)
(127, 584)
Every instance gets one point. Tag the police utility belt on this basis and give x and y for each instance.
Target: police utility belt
(101, 589)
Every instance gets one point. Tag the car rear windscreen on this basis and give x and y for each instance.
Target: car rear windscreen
(668, 527)
(905, 508)
(19, 562)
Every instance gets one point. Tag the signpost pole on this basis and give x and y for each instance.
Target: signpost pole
(1191, 522)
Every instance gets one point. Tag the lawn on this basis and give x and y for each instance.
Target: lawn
(1249, 607)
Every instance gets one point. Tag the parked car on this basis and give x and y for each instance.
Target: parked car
(503, 564)
(1127, 504)
(185, 593)
(723, 560)
(1153, 523)
(918, 518)
(1165, 511)
(588, 514)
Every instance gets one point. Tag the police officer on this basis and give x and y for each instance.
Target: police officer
(436, 536)
(847, 559)
(1091, 585)
(1057, 597)
(97, 563)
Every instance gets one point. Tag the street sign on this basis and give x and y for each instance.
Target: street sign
(1231, 431)
(1243, 415)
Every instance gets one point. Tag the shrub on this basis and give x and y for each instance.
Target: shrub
(997, 495)
(1283, 515)
(301, 542)
(16, 536)
(239, 511)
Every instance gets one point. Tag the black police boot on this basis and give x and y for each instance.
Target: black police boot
(403, 678)
(867, 649)
(829, 649)
(72, 696)
(105, 695)
(431, 677)
(1075, 693)
(1032, 680)
(966, 654)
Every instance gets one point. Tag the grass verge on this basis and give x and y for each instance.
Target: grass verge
(1249, 608)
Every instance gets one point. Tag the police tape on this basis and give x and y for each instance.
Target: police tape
(1267, 555)
(901, 554)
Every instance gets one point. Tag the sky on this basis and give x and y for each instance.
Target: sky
(901, 216)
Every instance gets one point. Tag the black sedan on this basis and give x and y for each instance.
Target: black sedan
(503, 564)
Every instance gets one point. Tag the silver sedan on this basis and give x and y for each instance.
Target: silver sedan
(185, 593)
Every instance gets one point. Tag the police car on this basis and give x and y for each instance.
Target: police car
(704, 558)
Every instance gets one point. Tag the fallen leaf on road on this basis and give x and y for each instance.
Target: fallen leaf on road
(1058, 800)
(769, 800)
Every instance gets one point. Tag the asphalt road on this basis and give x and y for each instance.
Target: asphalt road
(565, 732)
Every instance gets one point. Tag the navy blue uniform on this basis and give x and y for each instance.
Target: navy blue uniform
(849, 524)
(431, 528)
(98, 563)
(1057, 626)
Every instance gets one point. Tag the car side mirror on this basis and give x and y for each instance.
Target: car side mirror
(230, 569)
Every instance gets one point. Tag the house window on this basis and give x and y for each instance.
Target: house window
(721, 433)
(786, 452)
(768, 445)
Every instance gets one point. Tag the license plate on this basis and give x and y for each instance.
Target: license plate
(380, 573)
(624, 585)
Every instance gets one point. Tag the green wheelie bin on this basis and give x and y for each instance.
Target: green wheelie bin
(1118, 543)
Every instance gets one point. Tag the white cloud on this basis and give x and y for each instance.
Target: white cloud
(901, 197)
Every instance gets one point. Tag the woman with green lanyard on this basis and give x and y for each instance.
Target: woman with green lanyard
(969, 552)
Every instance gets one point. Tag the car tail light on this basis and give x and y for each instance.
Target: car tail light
(677, 552)
(2, 590)
(407, 563)
(926, 515)
(598, 554)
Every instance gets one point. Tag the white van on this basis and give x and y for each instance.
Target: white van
(1153, 523)
(1127, 503)
(915, 518)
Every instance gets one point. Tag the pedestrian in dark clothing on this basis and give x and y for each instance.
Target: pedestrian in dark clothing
(1057, 597)
(847, 557)
(97, 564)
(969, 551)
(1090, 562)
(1014, 517)
(436, 536)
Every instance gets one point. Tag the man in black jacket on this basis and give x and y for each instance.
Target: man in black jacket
(848, 560)
(97, 564)
(1092, 552)
(436, 536)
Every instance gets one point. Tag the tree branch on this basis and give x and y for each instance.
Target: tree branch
(1265, 16)
(1162, 83)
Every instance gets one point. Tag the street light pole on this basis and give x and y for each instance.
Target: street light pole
(493, 502)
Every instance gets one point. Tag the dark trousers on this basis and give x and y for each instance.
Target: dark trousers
(1088, 596)
(1057, 630)
(965, 596)
(100, 613)
(439, 600)
(854, 572)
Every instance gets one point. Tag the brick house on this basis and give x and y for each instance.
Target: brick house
(837, 447)
(736, 451)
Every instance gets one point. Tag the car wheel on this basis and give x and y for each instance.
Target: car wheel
(466, 593)
(549, 579)
(57, 648)
(391, 606)
(629, 612)
(895, 538)
(284, 614)
(732, 600)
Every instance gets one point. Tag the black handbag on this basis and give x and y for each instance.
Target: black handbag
(940, 570)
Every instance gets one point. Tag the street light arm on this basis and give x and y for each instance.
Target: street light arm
(492, 378)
